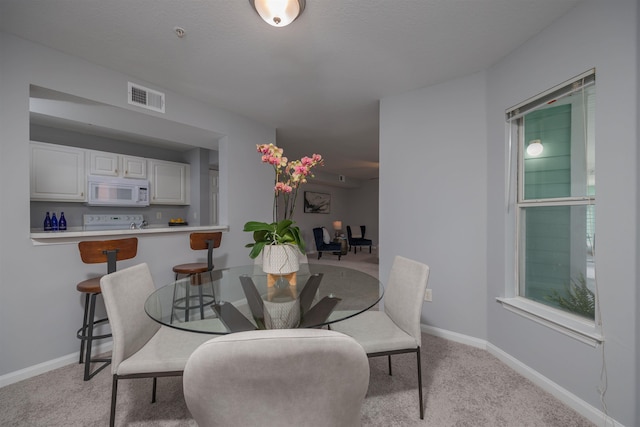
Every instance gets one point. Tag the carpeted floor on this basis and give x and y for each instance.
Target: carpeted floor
(463, 386)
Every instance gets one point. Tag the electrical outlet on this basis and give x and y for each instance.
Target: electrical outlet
(428, 296)
(158, 215)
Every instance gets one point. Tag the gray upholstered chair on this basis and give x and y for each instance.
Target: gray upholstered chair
(277, 377)
(142, 348)
(396, 329)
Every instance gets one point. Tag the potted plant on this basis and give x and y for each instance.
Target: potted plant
(281, 235)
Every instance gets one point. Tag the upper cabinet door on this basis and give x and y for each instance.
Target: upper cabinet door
(111, 164)
(57, 173)
(102, 163)
(134, 167)
(170, 182)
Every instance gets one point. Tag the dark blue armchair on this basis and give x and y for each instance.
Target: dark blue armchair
(321, 246)
(354, 242)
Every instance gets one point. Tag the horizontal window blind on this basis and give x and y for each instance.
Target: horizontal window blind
(549, 96)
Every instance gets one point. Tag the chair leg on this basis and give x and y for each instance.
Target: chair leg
(200, 295)
(187, 300)
(213, 291)
(87, 358)
(369, 248)
(173, 305)
(420, 385)
(389, 359)
(86, 336)
(85, 323)
(153, 390)
(114, 393)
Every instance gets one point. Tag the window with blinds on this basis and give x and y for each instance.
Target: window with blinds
(556, 196)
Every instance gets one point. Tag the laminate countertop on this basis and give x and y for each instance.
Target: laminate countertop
(75, 234)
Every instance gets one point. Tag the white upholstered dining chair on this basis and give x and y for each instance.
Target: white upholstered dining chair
(142, 348)
(396, 329)
(277, 377)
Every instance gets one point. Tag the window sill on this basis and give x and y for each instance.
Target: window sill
(568, 324)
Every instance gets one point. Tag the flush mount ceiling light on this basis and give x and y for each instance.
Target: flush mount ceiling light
(278, 13)
(535, 147)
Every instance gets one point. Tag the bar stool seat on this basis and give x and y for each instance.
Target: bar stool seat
(194, 271)
(94, 252)
(192, 268)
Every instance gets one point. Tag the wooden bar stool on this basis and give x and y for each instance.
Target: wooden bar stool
(197, 241)
(96, 252)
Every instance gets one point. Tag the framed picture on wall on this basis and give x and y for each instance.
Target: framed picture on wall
(317, 202)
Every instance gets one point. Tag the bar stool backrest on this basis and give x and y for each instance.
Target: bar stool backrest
(209, 241)
(109, 251)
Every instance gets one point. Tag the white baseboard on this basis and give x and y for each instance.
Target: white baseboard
(585, 409)
(50, 365)
(454, 336)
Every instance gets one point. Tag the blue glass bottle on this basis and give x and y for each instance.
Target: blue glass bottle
(47, 222)
(54, 222)
(62, 223)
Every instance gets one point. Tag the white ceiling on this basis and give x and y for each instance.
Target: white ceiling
(317, 81)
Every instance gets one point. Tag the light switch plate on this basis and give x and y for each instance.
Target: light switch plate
(427, 295)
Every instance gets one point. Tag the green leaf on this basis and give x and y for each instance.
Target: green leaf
(261, 236)
(283, 225)
(298, 239)
(256, 226)
(257, 248)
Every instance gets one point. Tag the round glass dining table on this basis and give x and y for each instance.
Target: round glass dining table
(245, 298)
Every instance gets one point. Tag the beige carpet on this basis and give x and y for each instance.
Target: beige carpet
(463, 386)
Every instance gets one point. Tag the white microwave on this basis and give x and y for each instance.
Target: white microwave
(106, 191)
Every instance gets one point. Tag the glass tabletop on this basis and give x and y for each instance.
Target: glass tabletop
(245, 298)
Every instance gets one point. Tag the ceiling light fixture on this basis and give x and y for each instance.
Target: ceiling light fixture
(535, 147)
(278, 13)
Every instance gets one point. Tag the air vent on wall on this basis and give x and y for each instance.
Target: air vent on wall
(145, 97)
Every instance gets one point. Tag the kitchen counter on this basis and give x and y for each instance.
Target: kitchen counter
(76, 234)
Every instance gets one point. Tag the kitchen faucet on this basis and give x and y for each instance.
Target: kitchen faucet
(143, 224)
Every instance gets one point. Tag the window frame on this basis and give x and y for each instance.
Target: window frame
(578, 327)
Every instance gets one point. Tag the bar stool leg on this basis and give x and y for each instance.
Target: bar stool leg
(89, 335)
(83, 331)
(200, 295)
(187, 300)
(86, 334)
(173, 304)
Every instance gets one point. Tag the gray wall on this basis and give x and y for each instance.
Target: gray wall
(637, 378)
(433, 196)
(454, 210)
(40, 309)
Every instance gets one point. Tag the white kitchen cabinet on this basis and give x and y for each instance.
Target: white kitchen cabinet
(57, 173)
(134, 167)
(170, 182)
(112, 164)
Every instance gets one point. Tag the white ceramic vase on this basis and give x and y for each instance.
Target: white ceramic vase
(280, 259)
